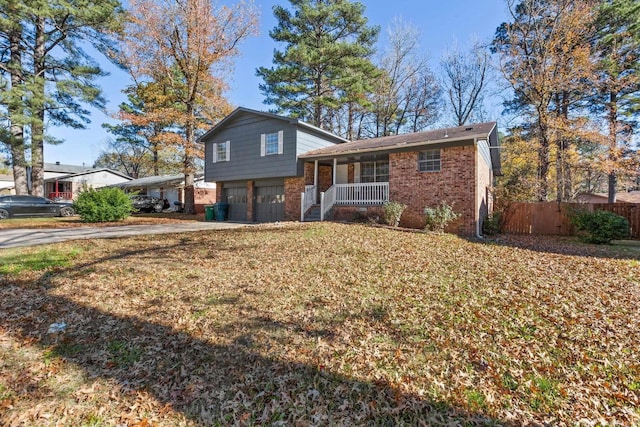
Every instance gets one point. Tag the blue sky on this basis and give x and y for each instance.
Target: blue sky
(441, 23)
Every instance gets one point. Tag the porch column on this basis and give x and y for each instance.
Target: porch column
(315, 173)
(335, 170)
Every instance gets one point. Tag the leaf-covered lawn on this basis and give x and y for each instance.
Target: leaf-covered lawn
(322, 324)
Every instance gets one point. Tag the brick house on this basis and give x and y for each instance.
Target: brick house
(327, 177)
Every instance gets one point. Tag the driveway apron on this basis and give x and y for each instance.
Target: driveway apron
(30, 237)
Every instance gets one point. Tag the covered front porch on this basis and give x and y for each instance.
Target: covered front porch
(358, 182)
(59, 189)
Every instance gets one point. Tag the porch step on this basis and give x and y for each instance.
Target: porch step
(313, 214)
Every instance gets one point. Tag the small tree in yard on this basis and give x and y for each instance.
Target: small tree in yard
(439, 217)
(393, 212)
(600, 227)
(103, 205)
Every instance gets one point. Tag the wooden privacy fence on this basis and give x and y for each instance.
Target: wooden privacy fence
(553, 217)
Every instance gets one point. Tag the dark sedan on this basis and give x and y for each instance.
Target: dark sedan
(23, 206)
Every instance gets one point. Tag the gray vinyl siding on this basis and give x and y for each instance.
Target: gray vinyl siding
(307, 141)
(485, 153)
(245, 161)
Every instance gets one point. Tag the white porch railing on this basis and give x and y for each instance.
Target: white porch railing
(369, 193)
(308, 199)
(327, 200)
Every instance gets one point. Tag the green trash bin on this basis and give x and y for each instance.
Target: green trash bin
(221, 211)
(209, 212)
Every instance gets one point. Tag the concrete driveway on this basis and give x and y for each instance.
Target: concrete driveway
(30, 236)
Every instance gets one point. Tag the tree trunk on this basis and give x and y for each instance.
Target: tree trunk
(563, 167)
(350, 121)
(156, 170)
(568, 176)
(317, 108)
(189, 164)
(38, 106)
(613, 146)
(559, 171)
(613, 182)
(14, 110)
(543, 161)
(18, 160)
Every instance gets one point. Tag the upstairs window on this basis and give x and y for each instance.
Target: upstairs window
(221, 152)
(271, 143)
(429, 161)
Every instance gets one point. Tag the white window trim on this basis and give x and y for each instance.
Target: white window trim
(424, 161)
(263, 144)
(214, 156)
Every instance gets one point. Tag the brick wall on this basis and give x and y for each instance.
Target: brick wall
(353, 213)
(308, 173)
(219, 191)
(325, 177)
(455, 184)
(250, 201)
(205, 196)
(293, 187)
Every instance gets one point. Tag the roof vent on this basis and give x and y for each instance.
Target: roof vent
(446, 134)
(469, 128)
(58, 163)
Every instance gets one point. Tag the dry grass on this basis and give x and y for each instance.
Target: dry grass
(321, 324)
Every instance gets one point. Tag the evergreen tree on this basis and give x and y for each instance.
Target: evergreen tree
(325, 63)
(617, 83)
(47, 74)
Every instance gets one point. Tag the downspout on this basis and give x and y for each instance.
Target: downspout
(478, 233)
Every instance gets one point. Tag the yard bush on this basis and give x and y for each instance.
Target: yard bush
(493, 224)
(439, 217)
(103, 205)
(600, 227)
(393, 212)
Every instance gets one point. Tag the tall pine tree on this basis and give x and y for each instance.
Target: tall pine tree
(617, 85)
(325, 64)
(47, 74)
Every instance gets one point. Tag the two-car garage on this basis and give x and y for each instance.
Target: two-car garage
(268, 200)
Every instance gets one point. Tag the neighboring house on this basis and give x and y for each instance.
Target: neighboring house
(6, 184)
(340, 179)
(171, 187)
(621, 197)
(65, 182)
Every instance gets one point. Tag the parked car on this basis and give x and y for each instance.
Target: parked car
(147, 203)
(25, 206)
